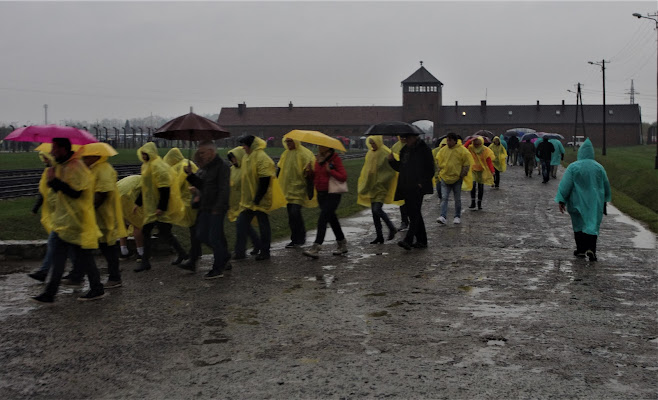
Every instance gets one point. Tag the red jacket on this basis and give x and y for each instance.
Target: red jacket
(321, 175)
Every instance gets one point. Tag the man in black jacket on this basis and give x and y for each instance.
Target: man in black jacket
(212, 180)
(544, 152)
(416, 167)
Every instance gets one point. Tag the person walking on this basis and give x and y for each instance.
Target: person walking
(161, 202)
(557, 157)
(235, 157)
(376, 186)
(436, 183)
(500, 162)
(513, 150)
(404, 216)
(130, 188)
(213, 183)
(583, 192)
(416, 168)
(527, 151)
(107, 204)
(482, 169)
(545, 152)
(454, 163)
(327, 165)
(294, 180)
(73, 221)
(46, 202)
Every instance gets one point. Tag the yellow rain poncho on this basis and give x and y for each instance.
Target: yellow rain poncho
(129, 189)
(480, 167)
(291, 176)
(435, 151)
(259, 165)
(395, 149)
(235, 192)
(74, 220)
(450, 162)
(178, 162)
(49, 197)
(378, 180)
(500, 163)
(109, 215)
(158, 174)
(584, 189)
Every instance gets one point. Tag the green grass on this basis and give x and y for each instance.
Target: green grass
(19, 224)
(633, 178)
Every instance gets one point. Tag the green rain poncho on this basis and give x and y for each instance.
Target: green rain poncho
(259, 165)
(556, 157)
(378, 179)
(129, 189)
(584, 188)
(500, 163)
(74, 220)
(178, 162)
(234, 208)
(291, 174)
(109, 215)
(158, 174)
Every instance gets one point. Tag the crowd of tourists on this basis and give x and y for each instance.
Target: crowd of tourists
(84, 207)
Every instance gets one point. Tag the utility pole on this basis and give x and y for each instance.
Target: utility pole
(45, 109)
(602, 65)
(579, 108)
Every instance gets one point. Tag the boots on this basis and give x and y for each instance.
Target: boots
(189, 264)
(342, 248)
(472, 204)
(379, 239)
(479, 204)
(313, 252)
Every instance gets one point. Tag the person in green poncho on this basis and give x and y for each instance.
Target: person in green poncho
(583, 192)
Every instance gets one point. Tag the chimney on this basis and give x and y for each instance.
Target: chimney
(562, 103)
(290, 106)
(483, 105)
(242, 107)
(537, 105)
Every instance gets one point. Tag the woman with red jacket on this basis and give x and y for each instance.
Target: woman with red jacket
(327, 164)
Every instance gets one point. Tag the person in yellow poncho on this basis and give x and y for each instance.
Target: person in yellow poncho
(178, 162)
(161, 202)
(294, 182)
(435, 179)
(73, 221)
(235, 157)
(107, 204)
(130, 188)
(482, 169)
(376, 185)
(46, 201)
(404, 216)
(500, 163)
(260, 194)
(453, 162)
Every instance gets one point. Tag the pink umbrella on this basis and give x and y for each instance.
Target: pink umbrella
(46, 134)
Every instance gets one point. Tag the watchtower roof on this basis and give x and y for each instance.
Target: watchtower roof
(421, 76)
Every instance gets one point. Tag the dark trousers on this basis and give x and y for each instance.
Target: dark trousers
(529, 164)
(111, 254)
(479, 188)
(164, 230)
(84, 258)
(585, 242)
(413, 200)
(496, 178)
(404, 215)
(243, 226)
(210, 231)
(546, 169)
(328, 203)
(378, 214)
(195, 243)
(296, 223)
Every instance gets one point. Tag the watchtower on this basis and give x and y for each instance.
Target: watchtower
(421, 98)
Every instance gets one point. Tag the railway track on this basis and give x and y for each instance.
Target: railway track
(25, 182)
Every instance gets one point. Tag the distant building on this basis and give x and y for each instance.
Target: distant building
(422, 100)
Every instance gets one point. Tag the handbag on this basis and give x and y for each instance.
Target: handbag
(336, 186)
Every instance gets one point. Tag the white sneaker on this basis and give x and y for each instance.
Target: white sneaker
(457, 220)
(441, 220)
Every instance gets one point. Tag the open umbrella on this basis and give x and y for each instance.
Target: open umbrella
(191, 127)
(315, 137)
(554, 136)
(46, 134)
(483, 133)
(529, 136)
(394, 128)
(486, 141)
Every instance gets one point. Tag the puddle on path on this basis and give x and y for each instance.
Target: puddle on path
(644, 238)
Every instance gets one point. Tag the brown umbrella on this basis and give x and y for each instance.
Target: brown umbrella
(191, 127)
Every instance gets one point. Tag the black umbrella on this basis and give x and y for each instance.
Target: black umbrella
(395, 128)
(191, 127)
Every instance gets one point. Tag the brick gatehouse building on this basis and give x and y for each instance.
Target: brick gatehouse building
(422, 100)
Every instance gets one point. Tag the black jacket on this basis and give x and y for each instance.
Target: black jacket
(545, 150)
(416, 167)
(213, 180)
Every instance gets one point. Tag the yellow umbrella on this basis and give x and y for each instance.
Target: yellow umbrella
(315, 137)
(98, 149)
(47, 147)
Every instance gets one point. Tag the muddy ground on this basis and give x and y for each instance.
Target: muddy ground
(497, 307)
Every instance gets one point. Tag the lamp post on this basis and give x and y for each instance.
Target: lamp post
(602, 65)
(650, 16)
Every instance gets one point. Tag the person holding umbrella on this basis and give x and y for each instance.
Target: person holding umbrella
(416, 168)
(376, 185)
(161, 202)
(293, 180)
(73, 221)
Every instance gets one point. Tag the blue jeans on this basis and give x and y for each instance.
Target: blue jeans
(242, 229)
(546, 169)
(210, 230)
(446, 189)
(50, 250)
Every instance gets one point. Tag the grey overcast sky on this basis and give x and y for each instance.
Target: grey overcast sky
(94, 60)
